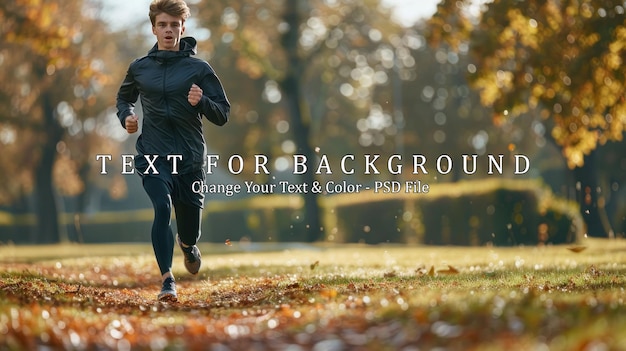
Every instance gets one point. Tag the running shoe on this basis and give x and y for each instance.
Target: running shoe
(168, 291)
(193, 258)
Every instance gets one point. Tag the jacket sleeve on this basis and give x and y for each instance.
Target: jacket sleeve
(214, 104)
(127, 97)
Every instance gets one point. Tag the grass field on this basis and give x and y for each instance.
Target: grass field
(318, 297)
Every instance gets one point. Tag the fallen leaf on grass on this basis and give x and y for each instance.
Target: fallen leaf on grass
(73, 292)
(390, 274)
(450, 270)
(294, 285)
(431, 272)
(593, 271)
(577, 249)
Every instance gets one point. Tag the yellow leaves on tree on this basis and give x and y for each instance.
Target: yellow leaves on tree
(66, 177)
(563, 60)
(255, 48)
(49, 32)
(35, 23)
(448, 25)
(53, 81)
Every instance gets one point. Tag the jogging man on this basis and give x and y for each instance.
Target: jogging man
(176, 91)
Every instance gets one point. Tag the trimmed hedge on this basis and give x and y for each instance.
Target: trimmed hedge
(472, 213)
(481, 212)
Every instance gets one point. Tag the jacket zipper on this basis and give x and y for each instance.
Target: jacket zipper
(168, 113)
(167, 105)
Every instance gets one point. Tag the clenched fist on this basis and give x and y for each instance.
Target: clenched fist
(131, 123)
(195, 95)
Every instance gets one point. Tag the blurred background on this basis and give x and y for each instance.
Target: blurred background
(544, 79)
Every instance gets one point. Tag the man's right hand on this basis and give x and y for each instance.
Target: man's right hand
(131, 123)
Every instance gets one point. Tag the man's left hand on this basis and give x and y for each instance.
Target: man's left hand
(195, 95)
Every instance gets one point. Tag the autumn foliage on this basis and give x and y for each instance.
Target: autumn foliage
(350, 298)
(559, 60)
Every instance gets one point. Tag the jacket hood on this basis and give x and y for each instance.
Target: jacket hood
(188, 47)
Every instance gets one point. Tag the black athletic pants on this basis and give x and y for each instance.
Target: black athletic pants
(163, 194)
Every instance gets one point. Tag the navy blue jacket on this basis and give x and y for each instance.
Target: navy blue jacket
(171, 125)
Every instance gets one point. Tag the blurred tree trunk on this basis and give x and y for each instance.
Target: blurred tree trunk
(300, 124)
(49, 58)
(590, 198)
(47, 229)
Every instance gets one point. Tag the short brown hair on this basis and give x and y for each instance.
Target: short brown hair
(176, 8)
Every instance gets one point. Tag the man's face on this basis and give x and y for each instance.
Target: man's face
(168, 30)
